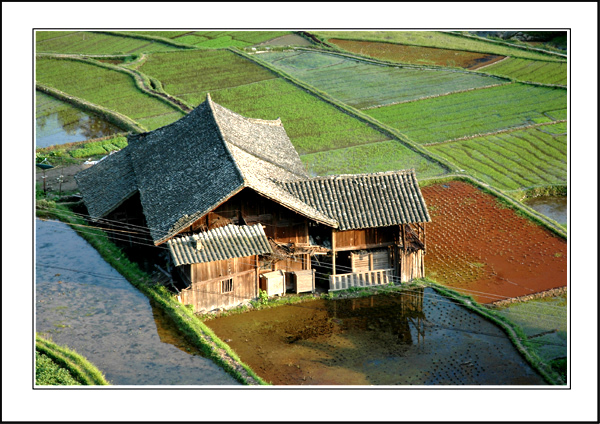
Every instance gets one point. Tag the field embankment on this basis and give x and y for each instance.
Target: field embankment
(56, 365)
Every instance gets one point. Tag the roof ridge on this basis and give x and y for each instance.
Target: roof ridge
(364, 175)
(222, 137)
(272, 122)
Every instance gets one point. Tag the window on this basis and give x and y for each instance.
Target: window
(227, 286)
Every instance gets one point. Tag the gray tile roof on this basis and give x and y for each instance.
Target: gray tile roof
(185, 169)
(107, 184)
(221, 243)
(365, 200)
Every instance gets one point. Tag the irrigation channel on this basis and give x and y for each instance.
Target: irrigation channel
(83, 303)
(411, 337)
(554, 207)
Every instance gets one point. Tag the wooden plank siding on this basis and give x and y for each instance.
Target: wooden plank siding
(366, 238)
(206, 290)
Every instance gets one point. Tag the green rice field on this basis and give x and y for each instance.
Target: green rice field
(363, 84)
(530, 70)
(215, 39)
(536, 317)
(472, 113)
(84, 42)
(190, 74)
(105, 87)
(312, 124)
(512, 160)
(372, 157)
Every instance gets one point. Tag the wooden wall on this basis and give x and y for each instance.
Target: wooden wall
(366, 238)
(206, 290)
(248, 208)
(411, 265)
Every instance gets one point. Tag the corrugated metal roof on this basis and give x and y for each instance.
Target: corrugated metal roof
(365, 200)
(227, 242)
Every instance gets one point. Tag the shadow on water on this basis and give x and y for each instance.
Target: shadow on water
(85, 304)
(554, 207)
(413, 337)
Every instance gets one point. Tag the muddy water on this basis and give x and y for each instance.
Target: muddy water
(554, 207)
(411, 338)
(59, 123)
(83, 303)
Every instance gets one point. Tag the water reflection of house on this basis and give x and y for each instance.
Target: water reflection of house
(232, 201)
(390, 314)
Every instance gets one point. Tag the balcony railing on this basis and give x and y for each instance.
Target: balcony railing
(377, 277)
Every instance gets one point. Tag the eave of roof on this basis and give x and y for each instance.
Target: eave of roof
(221, 243)
(365, 200)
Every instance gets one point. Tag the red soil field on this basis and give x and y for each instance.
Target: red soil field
(479, 247)
(417, 55)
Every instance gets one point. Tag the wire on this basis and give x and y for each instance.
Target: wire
(478, 293)
(440, 299)
(393, 278)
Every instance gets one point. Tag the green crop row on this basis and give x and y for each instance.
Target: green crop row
(530, 70)
(437, 39)
(473, 112)
(510, 161)
(96, 43)
(363, 84)
(373, 157)
(214, 39)
(189, 75)
(107, 88)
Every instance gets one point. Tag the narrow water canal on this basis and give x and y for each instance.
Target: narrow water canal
(83, 303)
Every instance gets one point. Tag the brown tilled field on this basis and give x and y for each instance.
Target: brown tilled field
(417, 55)
(479, 247)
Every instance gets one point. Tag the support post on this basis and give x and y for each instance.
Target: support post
(332, 251)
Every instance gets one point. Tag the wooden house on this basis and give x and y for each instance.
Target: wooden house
(231, 200)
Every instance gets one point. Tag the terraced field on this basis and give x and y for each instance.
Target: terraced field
(530, 70)
(57, 122)
(363, 85)
(372, 157)
(311, 124)
(415, 54)
(216, 39)
(509, 161)
(94, 43)
(544, 321)
(439, 39)
(105, 87)
(472, 113)
(189, 75)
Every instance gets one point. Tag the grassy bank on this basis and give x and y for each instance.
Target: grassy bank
(60, 366)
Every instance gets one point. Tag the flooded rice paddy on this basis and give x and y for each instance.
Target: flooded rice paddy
(83, 303)
(413, 337)
(58, 122)
(482, 248)
(544, 321)
(554, 207)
